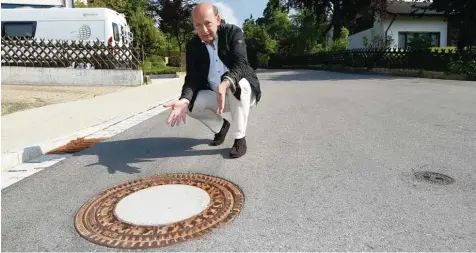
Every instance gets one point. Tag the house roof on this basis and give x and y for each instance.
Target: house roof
(410, 8)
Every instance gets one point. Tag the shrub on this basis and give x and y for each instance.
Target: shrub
(156, 61)
(146, 66)
(443, 49)
(459, 66)
(263, 60)
(175, 61)
(341, 43)
(464, 62)
(178, 60)
(161, 70)
(165, 70)
(377, 41)
(153, 62)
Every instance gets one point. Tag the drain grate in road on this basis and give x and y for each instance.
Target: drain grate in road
(98, 220)
(434, 178)
(75, 146)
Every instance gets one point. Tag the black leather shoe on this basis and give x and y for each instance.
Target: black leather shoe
(220, 136)
(239, 148)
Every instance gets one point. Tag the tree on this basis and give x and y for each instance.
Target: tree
(174, 18)
(283, 32)
(342, 42)
(80, 4)
(339, 13)
(275, 19)
(272, 7)
(146, 33)
(309, 31)
(170, 45)
(259, 43)
(277, 24)
(462, 13)
(121, 6)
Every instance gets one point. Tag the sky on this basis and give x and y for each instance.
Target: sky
(236, 11)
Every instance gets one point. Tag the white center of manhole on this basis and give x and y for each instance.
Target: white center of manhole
(161, 205)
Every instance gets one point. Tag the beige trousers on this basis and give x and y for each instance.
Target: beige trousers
(206, 106)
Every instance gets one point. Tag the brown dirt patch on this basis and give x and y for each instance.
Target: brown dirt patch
(22, 97)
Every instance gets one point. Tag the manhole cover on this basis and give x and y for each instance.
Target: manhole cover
(118, 218)
(75, 146)
(433, 177)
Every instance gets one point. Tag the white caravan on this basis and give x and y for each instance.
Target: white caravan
(85, 24)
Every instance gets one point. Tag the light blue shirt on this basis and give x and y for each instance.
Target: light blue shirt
(217, 68)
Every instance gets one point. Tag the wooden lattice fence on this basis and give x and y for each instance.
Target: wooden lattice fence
(29, 52)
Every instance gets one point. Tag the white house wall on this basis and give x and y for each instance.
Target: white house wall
(357, 40)
(409, 24)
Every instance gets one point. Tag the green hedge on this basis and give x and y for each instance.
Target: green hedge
(178, 61)
(443, 49)
(460, 62)
(155, 65)
(162, 70)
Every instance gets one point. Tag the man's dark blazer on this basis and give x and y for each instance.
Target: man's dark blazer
(231, 51)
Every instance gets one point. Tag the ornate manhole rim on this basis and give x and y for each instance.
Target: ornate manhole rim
(226, 201)
(434, 177)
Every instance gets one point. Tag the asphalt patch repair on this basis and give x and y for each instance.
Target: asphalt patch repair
(434, 178)
(98, 222)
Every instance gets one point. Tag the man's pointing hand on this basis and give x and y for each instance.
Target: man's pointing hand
(221, 96)
(178, 113)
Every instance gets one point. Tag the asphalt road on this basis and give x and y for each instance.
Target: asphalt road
(330, 167)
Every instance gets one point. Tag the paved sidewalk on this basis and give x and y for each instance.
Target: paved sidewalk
(25, 133)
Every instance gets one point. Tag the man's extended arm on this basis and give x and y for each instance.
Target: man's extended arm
(190, 85)
(239, 61)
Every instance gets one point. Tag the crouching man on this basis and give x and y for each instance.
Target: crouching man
(219, 79)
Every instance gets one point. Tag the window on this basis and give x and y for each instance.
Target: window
(408, 40)
(124, 34)
(18, 29)
(115, 31)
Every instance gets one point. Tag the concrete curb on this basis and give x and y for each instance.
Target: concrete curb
(17, 156)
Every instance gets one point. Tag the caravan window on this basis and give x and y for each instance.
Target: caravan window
(18, 29)
(115, 31)
(123, 34)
